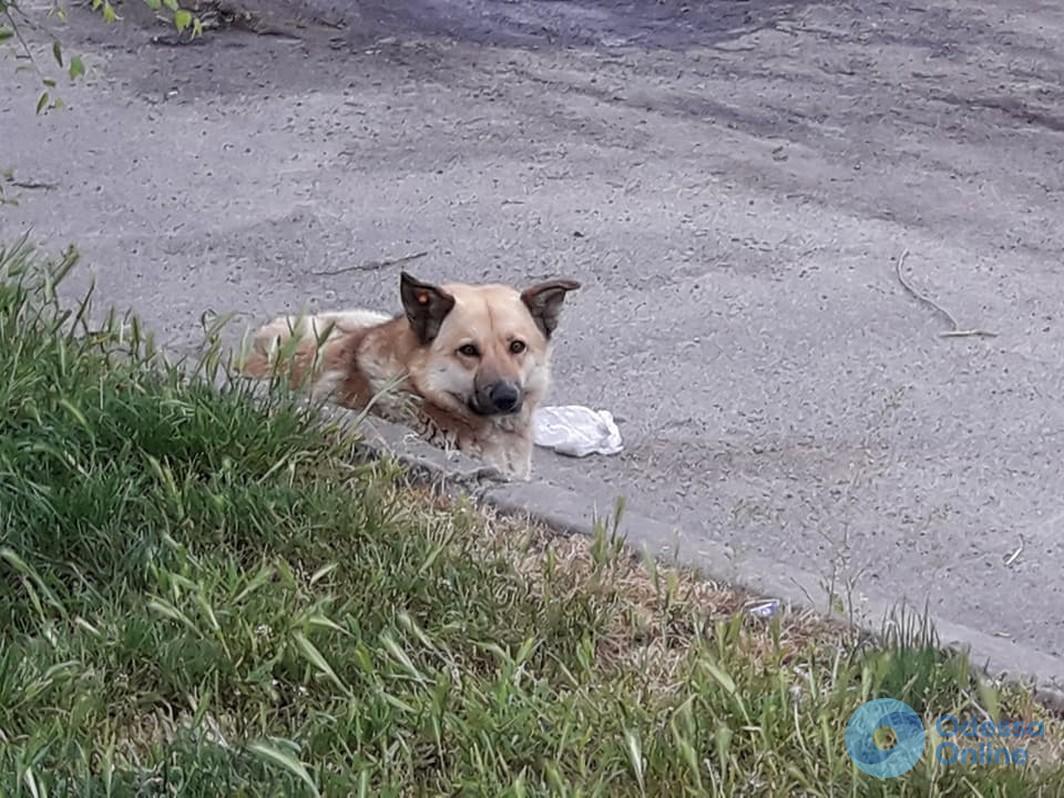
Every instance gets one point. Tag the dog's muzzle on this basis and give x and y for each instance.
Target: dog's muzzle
(499, 398)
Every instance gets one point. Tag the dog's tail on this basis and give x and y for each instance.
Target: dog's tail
(295, 346)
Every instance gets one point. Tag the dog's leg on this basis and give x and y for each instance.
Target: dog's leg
(522, 454)
(511, 453)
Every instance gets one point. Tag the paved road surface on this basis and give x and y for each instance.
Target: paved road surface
(732, 181)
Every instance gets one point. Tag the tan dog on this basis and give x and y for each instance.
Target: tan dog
(464, 365)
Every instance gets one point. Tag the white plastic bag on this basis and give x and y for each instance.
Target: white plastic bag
(576, 431)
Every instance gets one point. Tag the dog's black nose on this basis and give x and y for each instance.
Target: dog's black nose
(504, 397)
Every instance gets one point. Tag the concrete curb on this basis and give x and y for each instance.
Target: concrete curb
(576, 513)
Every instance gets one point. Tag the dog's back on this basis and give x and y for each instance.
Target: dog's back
(304, 343)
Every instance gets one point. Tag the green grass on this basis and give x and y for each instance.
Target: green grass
(205, 596)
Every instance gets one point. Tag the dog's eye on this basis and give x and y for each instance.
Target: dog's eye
(468, 350)
(517, 347)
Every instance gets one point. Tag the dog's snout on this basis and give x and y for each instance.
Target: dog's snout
(504, 397)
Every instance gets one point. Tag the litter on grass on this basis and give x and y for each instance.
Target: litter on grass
(576, 431)
(764, 608)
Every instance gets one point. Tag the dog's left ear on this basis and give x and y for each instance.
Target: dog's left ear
(544, 302)
(426, 306)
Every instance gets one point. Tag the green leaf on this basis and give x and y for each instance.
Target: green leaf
(323, 572)
(57, 51)
(5, 34)
(49, 82)
(171, 4)
(722, 678)
(315, 657)
(154, 5)
(286, 761)
(42, 102)
(182, 19)
(635, 759)
(77, 68)
(109, 14)
(990, 698)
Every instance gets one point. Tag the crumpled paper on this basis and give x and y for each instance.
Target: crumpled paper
(576, 431)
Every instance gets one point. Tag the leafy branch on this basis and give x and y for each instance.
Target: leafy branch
(14, 22)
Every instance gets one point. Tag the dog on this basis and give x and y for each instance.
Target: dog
(464, 365)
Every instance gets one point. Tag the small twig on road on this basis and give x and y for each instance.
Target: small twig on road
(1010, 559)
(30, 185)
(372, 265)
(956, 332)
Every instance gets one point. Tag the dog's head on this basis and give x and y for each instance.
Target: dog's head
(486, 349)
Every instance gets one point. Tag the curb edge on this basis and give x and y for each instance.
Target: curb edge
(568, 512)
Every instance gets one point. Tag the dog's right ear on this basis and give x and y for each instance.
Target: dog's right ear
(544, 302)
(426, 306)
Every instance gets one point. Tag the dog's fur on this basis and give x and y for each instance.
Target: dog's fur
(464, 365)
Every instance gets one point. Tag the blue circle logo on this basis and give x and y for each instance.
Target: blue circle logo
(890, 718)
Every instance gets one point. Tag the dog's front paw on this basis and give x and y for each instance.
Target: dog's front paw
(520, 474)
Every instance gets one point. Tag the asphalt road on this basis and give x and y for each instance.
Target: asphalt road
(732, 181)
